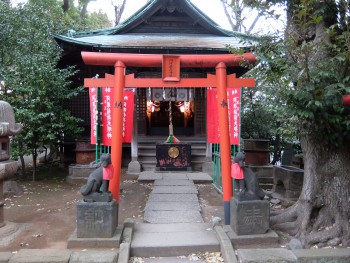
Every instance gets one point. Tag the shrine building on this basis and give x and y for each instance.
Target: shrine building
(161, 27)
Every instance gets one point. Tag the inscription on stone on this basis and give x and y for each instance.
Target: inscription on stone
(93, 219)
(253, 216)
(96, 219)
(250, 217)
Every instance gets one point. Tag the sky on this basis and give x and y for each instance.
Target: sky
(211, 8)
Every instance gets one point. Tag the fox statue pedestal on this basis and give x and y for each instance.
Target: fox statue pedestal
(96, 219)
(97, 226)
(250, 217)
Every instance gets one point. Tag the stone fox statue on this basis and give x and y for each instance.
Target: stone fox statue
(95, 179)
(251, 189)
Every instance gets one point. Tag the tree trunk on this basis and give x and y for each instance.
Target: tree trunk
(321, 215)
(276, 149)
(23, 165)
(118, 12)
(84, 8)
(35, 155)
(65, 6)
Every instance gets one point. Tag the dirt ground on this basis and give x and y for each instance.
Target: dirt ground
(46, 208)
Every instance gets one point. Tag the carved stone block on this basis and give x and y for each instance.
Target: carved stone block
(96, 219)
(250, 217)
(288, 181)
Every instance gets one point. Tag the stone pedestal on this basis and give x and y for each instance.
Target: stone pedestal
(134, 168)
(79, 173)
(250, 217)
(173, 157)
(207, 167)
(2, 202)
(288, 181)
(7, 170)
(85, 152)
(264, 174)
(256, 151)
(96, 219)
(4, 148)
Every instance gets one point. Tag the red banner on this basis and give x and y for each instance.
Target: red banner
(93, 114)
(234, 112)
(128, 116)
(212, 117)
(107, 100)
(234, 109)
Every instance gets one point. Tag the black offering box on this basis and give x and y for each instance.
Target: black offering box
(173, 157)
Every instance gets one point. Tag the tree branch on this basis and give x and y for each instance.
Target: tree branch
(254, 23)
(118, 12)
(229, 18)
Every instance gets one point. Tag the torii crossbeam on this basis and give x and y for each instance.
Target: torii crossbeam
(171, 78)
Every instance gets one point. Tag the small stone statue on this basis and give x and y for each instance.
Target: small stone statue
(8, 126)
(237, 174)
(107, 172)
(91, 191)
(248, 186)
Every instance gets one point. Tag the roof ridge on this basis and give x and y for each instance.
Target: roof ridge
(144, 11)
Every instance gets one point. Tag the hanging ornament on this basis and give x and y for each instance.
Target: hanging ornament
(171, 138)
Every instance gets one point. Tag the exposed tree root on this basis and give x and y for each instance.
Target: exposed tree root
(324, 218)
(290, 228)
(321, 236)
(346, 240)
(321, 215)
(288, 215)
(312, 226)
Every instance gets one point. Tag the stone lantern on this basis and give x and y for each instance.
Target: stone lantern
(8, 127)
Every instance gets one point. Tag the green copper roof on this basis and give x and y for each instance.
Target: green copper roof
(161, 24)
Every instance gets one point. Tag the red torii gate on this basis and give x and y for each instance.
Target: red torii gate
(346, 100)
(171, 78)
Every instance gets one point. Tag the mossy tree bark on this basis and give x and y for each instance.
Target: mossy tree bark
(321, 215)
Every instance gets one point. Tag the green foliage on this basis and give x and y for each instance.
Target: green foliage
(309, 71)
(33, 84)
(96, 20)
(72, 19)
(264, 113)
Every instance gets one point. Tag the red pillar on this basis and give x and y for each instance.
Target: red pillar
(225, 151)
(346, 100)
(117, 129)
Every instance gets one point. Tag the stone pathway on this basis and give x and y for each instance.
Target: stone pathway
(173, 222)
(173, 198)
(173, 202)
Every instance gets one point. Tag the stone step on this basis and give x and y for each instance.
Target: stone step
(182, 189)
(197, 177)
(173, 198)
(180, 259)
(172, 206)
(153, 146)
(170, 217)
(173, 175)
(173, 182)
(172, 240)
(148, 160)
